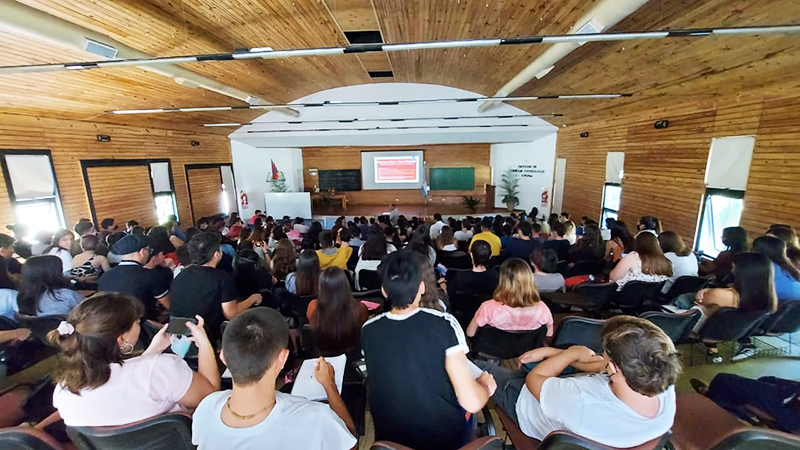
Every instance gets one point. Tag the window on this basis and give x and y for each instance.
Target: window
(162, 191)
(32, 189)
(165, 206)
(612, 194)
(721, 209)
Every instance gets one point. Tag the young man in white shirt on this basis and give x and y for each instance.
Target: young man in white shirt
(253, 416)
(437, 225)
(631, 403)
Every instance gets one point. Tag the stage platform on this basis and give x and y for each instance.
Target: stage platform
(328, 215)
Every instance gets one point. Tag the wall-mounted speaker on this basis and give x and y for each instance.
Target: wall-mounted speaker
(195, 143)
(103, 138)
(661, 124)
(585, 134)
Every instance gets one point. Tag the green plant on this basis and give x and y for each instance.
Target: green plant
(509, 182)
(470, 202)
(279, 185)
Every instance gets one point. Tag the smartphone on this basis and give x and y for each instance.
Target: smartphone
(442, 269)
(177, 326)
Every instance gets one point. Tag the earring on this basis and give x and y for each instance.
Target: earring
(126, 348)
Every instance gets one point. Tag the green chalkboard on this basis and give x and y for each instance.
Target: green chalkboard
(453, 179)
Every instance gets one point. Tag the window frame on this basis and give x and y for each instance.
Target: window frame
(713, 192)
(55, 198)
(603, 209)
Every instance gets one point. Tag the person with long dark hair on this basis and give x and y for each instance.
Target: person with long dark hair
(684, 263)
(371, 253)
(421, 243)
(284, 260)
(621, 242)
(590, 247)
(335, 316)
(62, 247)
(311, 238)
(304, 281)
(646, 263)
(789, 237)
(735, 241)
(649, 224)
(43, 289)
(786, 275)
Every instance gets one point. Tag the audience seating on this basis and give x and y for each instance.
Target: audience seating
(563, 268)
(785, 320)
(374, 296)
(632, 297)
(728, 324)
(455, 260)
(496, 261)
(700, 424)
(586, 268)
(293, 306)
(464, 306)
(26, 438)
(685, 285)
(576, 330)
(40, 326)
(677, 326)
(369, 280)
(171, 431)
(494, 344)
(589, 297)
(269, 299)
(485, 443)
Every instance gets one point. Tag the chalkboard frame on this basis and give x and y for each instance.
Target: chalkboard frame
(352, 175)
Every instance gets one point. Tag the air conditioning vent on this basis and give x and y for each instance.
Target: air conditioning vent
(100, 49)
(381, 74)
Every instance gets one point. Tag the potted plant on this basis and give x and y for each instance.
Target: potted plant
(509, 183)
(471, 203)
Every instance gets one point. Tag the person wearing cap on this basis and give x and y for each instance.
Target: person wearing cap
(131, 277)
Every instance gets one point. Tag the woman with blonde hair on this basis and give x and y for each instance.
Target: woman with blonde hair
(516, 304)
(684, 263)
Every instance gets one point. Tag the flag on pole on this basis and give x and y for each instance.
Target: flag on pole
(275, 174)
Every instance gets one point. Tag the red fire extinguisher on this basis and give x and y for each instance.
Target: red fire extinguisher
(243, 199)
(545, 196)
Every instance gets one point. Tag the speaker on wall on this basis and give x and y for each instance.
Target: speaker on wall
(103, 138)
(661, 124)
(585, 134)
(195, 143)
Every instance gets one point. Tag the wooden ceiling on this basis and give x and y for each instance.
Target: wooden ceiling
(657, 72)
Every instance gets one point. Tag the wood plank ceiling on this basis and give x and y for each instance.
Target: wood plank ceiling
(657, 72)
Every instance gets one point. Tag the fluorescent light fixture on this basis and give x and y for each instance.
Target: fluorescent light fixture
(442, 44)
(205, 108)
(140, 111)
(261, 49)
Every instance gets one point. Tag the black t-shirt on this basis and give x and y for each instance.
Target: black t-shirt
(474, 283)
(561, 248)
(13, 266)
(519, 248)
(129, 277)
(411, 398)
(202, 290)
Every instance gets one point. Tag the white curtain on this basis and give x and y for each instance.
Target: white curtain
(615, 162)
(159, 172)
(31, 176)
(729, 162)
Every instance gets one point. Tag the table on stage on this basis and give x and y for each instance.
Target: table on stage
(342, 197)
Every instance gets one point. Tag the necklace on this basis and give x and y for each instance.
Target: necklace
(247, 416)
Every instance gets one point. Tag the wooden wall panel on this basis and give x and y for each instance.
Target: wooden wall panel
(451, 155)
(205, 186)
(665, 169)
(71, 141)
(123, 192)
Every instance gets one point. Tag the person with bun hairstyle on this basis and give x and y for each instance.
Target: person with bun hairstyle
(101, 382)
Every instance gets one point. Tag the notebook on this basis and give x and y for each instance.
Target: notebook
(305, 385)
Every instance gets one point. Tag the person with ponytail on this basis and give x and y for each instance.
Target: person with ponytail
(100, 381)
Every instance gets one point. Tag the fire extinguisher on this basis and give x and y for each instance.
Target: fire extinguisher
(243, 199)
(545, 196)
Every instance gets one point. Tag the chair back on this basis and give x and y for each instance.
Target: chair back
(576, 330)
(635, 293)
(730, 324)
(586, 268)
(455, 259)
(269, 299)
(352, 262)
(599, 294)
(464, 306)
(484, 443)
(168, 431)
(374, 296)
(493, 343)
(40, 326)
(687, 284)
(676, 326)
(369, 279)
(758, 439)
(564, 440)
(293, 306)
(785, 320)
(27, 438)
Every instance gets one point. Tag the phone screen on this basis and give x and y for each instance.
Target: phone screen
(177, 326)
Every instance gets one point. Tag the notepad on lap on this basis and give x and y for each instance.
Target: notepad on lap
(305, 385)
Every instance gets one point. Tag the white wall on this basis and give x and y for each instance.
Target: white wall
(252, 167)
(535, 160)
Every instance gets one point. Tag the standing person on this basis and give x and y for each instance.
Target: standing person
(487, 235)
(43, 290)
(646, 263)
(254, 415)
(419, 375)
(436, 227)
(62, 247)
(329, 255)
(684, 263)
(394, 214)
(522, 246)
(202, 289)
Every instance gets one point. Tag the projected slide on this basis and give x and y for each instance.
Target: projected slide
(397, 169)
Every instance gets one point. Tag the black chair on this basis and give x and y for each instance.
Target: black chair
(564, 440)
(576, 330)
(685, 285)
(729, 324)
(293, 306)
(484, 443)
(374, 296)
(589, 297)
(40, 326)
(27, 438)
(464, 306)
(369, 279)
(494, 344)
(563, 268)
(634, 294)
(269, 299)
(677, 326)
(586, 268)
(785, 320)
(496, 261)
(455, 259)
(353, 260)
(172, 431)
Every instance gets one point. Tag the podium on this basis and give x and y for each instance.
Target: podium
(490, 193)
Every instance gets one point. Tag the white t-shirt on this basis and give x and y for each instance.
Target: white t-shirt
(300, 228)
(681, 266)
(461, 235)
(294, 423)
(436, 229)
(65, 255)
(140, 388)
(586, 406)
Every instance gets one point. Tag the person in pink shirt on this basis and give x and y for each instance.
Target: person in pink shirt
(516, 305)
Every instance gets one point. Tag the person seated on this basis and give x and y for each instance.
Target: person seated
(9, 306)
(371, 253)
(786, 276)
(629, 400)
(420, 382)
(250, 274)
(516, 305)
(557, 241)
(435, 296)
(254, 415)
(485, 234)
(335, 316)
(646, 263)
(304, 281)
(523, 244)
(787, 234)
(621, 242)
(284, 260)
(570, 232)
(463, 231)
(43, 289)
(391, 236)
(735, 241)
(88, 265)
(479, 281)
(545, 271)
(131, 277)
(7, 253)
(436, 227)
(590, 247)
(777, 398)
(99, 381)
(445, 242)
(355, 240)
(201, 289)
(300, 225)
(684, 263)
(62, 247)
(329, 255)
(649, 224)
